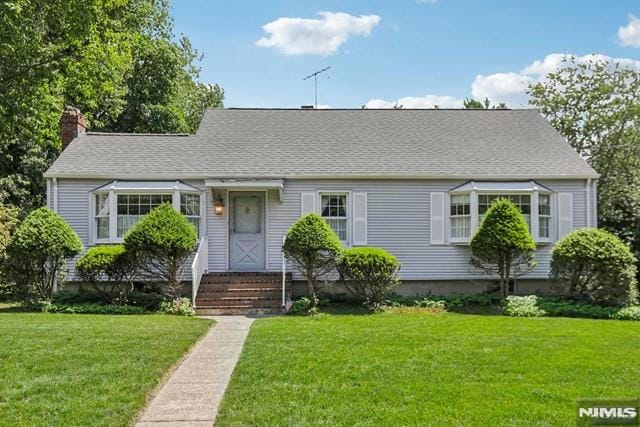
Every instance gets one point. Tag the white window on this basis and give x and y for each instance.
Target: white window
(334, 209)
(190, 207)
(117, 207)
(132, 207)
(522, 201)
(101, 219)
(460, 216)
(544, 216)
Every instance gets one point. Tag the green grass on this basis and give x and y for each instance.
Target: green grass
(429, 369)
(71, 370)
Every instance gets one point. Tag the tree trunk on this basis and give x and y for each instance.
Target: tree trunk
(311, 289)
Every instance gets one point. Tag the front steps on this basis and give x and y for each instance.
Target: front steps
(241, 293)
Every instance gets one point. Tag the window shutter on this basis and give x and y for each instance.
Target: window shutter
(565, 214)
(307, 203)
(359, 219)
(437, 223)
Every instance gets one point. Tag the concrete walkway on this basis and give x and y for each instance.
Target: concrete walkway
(193, 393)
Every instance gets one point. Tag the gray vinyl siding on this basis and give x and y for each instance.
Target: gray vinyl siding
(397, 220)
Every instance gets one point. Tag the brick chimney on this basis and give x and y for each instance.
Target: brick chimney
(72, 124)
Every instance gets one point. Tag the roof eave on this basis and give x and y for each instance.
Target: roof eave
(74, 175)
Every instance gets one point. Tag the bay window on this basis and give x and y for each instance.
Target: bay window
(469, 203)
(118, 206)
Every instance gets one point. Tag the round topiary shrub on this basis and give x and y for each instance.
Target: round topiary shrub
(595, 265)
(110, 270)
(161, 243)
(503, 246)
(38, 252)
(370, 274)
(313, 248)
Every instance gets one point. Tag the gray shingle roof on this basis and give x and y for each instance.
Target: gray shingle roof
(289, 143)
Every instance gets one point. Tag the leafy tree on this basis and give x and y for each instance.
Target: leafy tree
(595, 265)
(474, 104)
(95, 55)
(161, 243)
(39, 251)
(502, 245)
(594, 105)
(313, 248)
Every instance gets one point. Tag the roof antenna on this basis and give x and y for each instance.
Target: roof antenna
(315, 80)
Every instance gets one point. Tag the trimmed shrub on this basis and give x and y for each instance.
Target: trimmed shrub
(161, 243)
(628, 313)
(110, 270)
(596, 266)
(38, 253)
(370, 274)
(526, 306)
(502, 245)
(92, 309)
(313, 248)
(177, 306)
(302, 307)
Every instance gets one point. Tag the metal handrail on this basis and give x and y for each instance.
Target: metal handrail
(198, 268)
(284, 274)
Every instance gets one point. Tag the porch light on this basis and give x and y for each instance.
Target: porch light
(218, 206)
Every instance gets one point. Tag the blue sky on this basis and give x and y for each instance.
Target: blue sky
(418, 52)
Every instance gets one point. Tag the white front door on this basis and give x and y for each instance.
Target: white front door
(246, 231)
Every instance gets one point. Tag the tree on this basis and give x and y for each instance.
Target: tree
(502, 245)
(96, 56)
(474, 104)
(161, 242)
(313, 248)
(594, 105)
(39, 251)
(595, 265)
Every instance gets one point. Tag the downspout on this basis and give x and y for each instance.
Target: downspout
(595, 202)
(588, 191)
(55, 194)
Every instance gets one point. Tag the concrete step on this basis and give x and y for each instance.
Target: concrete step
(222, 311)
(248, 292)
(232, 302)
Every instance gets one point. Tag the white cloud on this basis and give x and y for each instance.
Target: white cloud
(426, 101)
(629, 35)
(511, 87)
(300, 36)
(508, 87)
(501, 87)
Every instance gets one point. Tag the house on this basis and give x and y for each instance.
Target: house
(415, 182)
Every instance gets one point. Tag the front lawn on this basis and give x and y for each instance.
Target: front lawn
(429, 369)
(63, 369)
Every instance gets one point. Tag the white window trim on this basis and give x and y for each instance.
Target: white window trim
(113, 211)
(320, 193)
(475, 217)
(458, 240)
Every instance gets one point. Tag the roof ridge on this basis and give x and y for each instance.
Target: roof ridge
(136, 134)
(366, 109)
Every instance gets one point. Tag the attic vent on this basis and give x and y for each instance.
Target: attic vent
(306, 107)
